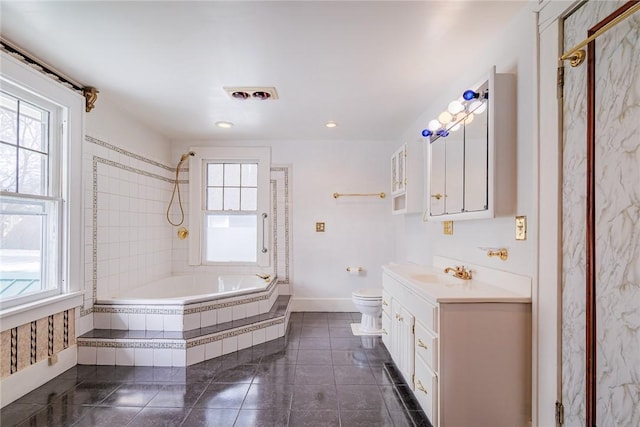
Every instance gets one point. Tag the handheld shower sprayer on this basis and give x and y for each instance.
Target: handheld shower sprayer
(176, 188)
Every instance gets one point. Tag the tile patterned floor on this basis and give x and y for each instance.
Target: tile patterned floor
(318, 375)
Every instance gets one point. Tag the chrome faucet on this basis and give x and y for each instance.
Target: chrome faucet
(459, 271)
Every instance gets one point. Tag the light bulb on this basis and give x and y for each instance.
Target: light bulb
(445, 117)
(455, 127)
(470, 94)
(426, 133)
(469, 119)
(455, 107)
(477, 107)
(433, 125)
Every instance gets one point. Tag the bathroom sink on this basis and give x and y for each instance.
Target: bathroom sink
(434, 278)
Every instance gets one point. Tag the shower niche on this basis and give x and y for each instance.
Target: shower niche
(471, 154)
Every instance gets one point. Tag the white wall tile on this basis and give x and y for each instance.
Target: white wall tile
(162, 357)
(213, 349)
(102, 320)
(272, 332)
(229, 345)
(191, 321)
(281, 330)
(239, 311)
(87, 355)
(137, 322)
(259, 336)
(264, 306)
(144, 357)
(178, 357)
(225, 314)
(173, 322)
(195, 355)
(208, 318)
(125, 357)
(253, 308)
(154, 322)
(119, 321)
(245, 340)
(106, 356)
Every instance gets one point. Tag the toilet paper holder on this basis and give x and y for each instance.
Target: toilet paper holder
(354, 270)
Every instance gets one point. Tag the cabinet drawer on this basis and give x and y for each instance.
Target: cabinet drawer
(426, 390)
(427, 346)
(386, 303)
(430, 317)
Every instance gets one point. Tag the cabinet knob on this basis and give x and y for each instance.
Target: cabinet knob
(399, 317)
(421, 388)
(384, 331)
(384, 302)
(422, 344)
(437, 196)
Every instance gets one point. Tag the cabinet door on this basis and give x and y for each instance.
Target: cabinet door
(386, 331)
(405, 342)
(402, 168)
(436, 176)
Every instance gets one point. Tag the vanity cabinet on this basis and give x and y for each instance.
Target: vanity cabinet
(406, 179)
(463, 350)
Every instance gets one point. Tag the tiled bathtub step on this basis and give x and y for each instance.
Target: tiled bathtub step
(161, 348)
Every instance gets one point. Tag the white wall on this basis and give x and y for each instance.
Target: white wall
(357, 229)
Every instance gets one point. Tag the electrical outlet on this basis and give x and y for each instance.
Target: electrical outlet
(447, 227)
(319, 227)
(521, 228)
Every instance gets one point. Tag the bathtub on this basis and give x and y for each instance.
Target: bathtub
(191, 289)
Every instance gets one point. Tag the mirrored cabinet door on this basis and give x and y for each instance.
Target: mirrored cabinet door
(437, 173)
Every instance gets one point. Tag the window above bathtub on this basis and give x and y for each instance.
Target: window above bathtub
(229, 206)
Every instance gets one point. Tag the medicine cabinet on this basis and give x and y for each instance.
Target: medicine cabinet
(407, 178)
(471, 160)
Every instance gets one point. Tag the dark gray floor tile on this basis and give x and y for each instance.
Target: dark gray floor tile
(323, 418)
(14, 413)
(262, 418)
(374, 418)
(314, 397)
(266, 396)
(315, 343)
(211, 417)
(353, 375)
(341, 332)
(399, 398)
(200, 374)
(352, 343)
(359, 397)
(339, 315)
(90, 393)
(154, 417)
(56, 414)
(409, 419)
(288, 356)
(107, 416)
(275, 373)
(239, 374)
(178, 395)
(132, 395)
(315, 331)
(340, 323)
(313, 374)
(349, 358)
(49, 392)
(220, 395)
(314, 357)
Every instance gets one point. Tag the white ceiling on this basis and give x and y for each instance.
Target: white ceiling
(369, 66)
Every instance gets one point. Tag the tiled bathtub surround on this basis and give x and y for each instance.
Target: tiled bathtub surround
(164, 348)
(154, 317)
(34, 342)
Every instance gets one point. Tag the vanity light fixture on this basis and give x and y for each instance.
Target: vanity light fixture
(224, 125)
(458, 111)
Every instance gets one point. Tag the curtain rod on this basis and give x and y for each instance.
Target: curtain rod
(90, 93)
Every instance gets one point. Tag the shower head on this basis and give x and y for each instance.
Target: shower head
(186, 155)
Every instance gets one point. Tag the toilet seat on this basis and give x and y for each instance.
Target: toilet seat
(367, 294)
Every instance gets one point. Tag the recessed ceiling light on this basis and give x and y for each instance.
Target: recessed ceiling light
(224, 125)
(331, 124)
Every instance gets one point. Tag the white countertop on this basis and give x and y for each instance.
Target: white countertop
(432, 284)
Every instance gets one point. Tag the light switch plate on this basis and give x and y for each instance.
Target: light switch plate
(447, 227)
(319, 227)
(521, 227)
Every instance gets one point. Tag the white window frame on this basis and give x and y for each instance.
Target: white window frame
(197, 199)
(16, 76)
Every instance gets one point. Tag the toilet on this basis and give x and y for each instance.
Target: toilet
(368, 301)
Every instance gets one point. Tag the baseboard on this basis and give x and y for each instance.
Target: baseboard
(22, 382)
(323, 304)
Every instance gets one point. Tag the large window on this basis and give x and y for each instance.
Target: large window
(40, 134)
(231, 187)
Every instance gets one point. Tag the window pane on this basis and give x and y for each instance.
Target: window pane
(231, 199)
(21, 247)
(34, 124)
(8, 168)
(8, 118)
(249, 199)
(214, 199)
(231, 174)
(32, 173)
(214, 174)
(250, 175)
(231, 238)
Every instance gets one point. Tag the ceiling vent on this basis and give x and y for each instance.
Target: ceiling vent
(252, 92)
